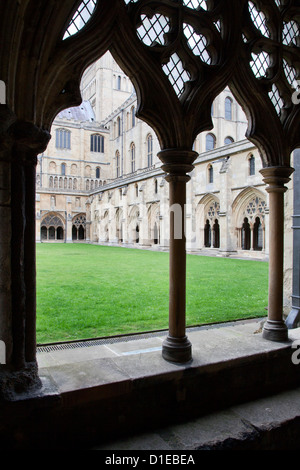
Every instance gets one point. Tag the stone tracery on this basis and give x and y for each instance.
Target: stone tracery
(251, 46)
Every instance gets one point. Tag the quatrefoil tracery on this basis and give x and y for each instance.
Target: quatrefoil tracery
(273, 61)
(192, 49)
(181, 34)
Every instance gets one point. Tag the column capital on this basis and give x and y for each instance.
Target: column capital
(28, 140)
(177, 163)
(276, 177)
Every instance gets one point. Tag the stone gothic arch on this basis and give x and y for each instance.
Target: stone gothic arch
(52, 227)
(252, 47)
(79, 227)
(208, 222)
(250, 211)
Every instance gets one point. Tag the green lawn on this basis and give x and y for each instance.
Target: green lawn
(86, 291)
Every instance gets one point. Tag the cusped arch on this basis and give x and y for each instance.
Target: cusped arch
(250, 203)
(52, 227)
(79, 227)
(208, 205)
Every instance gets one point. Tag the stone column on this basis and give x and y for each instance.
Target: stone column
(26, 142)
(5, 244)
(276, 177)
(176, 347)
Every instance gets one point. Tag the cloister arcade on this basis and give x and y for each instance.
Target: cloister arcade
(179, 55)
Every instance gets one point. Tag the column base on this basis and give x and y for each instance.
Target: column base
(178, 350)
(16, 383)
(275, 331)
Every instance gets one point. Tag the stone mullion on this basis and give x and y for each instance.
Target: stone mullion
(18, 222)
(177, 347)
(30, 258)
(26, 142)
(5, 253)
(275, 329)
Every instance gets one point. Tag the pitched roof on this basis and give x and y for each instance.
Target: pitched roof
(81, 113)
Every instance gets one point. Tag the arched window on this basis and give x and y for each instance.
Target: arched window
(132, 154)
(136, 190)
(118, 164)
(79, 227)
(118, 127)
(156, 186)
(251, 165)
(63, 139)
(132, 116)
(63, 169)
(118, 82)
(97, 143)
(150, 150)
(210, 174)
(210, 142)
(228, 109)
(97, 172)
(228, 140)
(52, 228)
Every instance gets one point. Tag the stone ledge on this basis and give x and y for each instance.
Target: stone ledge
(99, 399)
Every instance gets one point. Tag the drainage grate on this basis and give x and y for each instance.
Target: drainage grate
(97, 342)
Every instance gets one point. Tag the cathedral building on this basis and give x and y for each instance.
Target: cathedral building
(100, 179)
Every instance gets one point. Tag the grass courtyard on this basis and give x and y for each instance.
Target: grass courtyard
(88, 291)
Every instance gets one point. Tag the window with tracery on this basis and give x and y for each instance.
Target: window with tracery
(265, 58)
(80, 17)
(79, 227)
(52, 228)
(256, 206)
(212, 227)
(252, 229)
